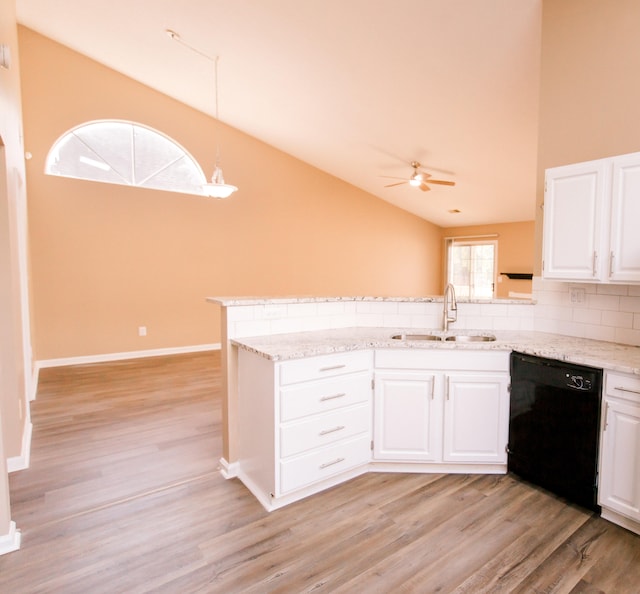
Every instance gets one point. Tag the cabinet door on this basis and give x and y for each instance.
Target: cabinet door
(476, 418)
(620, 460)
(574, 206)
(406, 417)
(624, 258)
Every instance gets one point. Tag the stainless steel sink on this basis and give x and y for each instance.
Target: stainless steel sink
(446, 337)
(416, 337)
(470, 338)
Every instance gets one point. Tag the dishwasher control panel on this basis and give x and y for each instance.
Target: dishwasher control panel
(578, 382)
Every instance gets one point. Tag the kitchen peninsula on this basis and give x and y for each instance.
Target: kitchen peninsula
(277, 352)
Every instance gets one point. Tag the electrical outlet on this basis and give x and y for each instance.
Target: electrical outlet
(142, 330)
(577, 295)
(276, 310)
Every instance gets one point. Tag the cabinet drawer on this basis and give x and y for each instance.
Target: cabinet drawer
(623, 386)
(314, 368)
(320, 430)
(320, 464)
(324, 395)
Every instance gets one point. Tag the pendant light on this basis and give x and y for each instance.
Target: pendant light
(216, 188)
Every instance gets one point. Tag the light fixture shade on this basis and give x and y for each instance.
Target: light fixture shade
(217, 188)
(416, 180)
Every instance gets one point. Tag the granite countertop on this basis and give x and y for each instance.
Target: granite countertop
(581, 351)
(235, 301)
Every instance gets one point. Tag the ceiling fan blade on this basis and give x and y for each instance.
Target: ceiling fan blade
(441, 182)
(420, 178)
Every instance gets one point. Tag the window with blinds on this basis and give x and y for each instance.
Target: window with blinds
(471, 266)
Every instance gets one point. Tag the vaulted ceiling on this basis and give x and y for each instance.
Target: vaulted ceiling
(357, 88)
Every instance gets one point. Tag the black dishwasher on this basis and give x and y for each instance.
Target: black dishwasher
(554, 426)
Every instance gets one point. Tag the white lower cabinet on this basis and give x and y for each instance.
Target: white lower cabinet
(619, 483)
(442, 407)
(407, 417)
(476, 418)
(307, 424)
(303, 425)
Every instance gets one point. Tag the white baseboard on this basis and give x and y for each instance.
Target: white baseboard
(620, 520)
(11, 541)
(227, 470)
(41, 364)
(21, 462)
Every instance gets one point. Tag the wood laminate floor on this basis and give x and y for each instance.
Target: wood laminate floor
(123, 495)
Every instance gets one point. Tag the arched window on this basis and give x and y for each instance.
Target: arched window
(118, 152)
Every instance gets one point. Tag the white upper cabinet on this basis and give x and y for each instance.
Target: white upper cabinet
(624, 257)
(590, 211)
(573, 213)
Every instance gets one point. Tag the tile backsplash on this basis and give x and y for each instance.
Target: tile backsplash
(600, 312)
(279, 318)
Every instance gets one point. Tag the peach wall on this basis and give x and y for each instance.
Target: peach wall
(590, 88)
(107, 259)
(515, 251)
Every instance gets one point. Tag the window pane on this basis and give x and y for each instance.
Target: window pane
(471, 269)
(152, 154)
(178, 177)
(73, 158)
(482, 277)
(112, 141)
(462, 270)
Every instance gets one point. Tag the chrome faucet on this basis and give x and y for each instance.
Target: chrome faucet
(450, 305)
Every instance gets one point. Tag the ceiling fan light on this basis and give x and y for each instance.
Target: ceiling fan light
(415, 181)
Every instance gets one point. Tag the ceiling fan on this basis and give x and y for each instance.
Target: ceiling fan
(419, 179)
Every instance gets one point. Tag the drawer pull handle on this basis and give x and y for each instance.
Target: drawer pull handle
(327, 431)
(333, 367)
(336, 461)
(623, 389)
(333, 396)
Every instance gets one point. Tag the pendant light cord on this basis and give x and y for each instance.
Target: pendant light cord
(217, 124)
(176, 37)
(179, 39)
(217, 179)
(173, 35)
